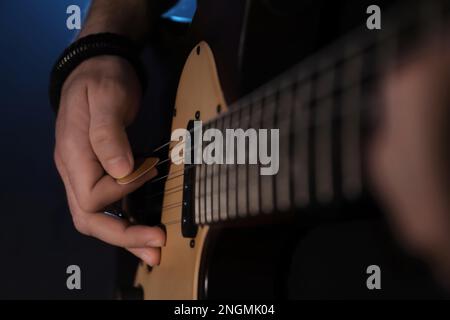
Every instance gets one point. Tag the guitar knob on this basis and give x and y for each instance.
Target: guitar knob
(130, 293)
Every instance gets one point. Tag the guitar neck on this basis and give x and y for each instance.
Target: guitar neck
(323, 108)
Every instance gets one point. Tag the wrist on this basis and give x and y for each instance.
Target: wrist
(104, 44)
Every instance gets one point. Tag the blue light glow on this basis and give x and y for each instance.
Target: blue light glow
(182, 12)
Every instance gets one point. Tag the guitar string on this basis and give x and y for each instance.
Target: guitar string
(173, 190)
(281, 123)
(343, 42)
(297, 74)
(277, 89)
(228, 114)
(177, 174)
(285, 120)
(172, 206)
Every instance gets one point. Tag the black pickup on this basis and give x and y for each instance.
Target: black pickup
(188, 226)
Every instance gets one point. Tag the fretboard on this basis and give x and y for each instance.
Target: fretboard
(324, 108)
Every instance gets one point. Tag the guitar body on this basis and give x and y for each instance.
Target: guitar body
(177, 275)
(311, 229)
(235, 260)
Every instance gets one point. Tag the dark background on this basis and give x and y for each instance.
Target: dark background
(37, 238)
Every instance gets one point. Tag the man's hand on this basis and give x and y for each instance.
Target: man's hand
(98, 100)
(410, 156)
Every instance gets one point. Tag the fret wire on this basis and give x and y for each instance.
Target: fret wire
(233, 175)
(267, 182)
(302, 100)
(311, 145)
(259, 125)
(292, 144)
(237, 166)
(229, 174)
(282, 179)
(348, 88)
(276, 99)
(323, 172)
(207, 186)
(254, 193)
(216, 181)
(224, 178)
(202, 168)
(240, 173)
(351, 182)
(247, 155)
(336, 128)
(197, 194)
(247, 179)
(211, 180)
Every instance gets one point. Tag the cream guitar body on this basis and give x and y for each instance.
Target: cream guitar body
(198, 95)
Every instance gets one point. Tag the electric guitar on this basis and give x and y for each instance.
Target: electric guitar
(218, 217)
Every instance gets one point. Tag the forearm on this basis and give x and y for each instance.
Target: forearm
(132, 18)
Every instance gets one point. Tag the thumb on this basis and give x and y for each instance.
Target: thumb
(110, 144)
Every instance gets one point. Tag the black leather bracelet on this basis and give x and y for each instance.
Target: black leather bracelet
(88, 47)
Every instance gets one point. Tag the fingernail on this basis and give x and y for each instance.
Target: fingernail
(119, 167)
